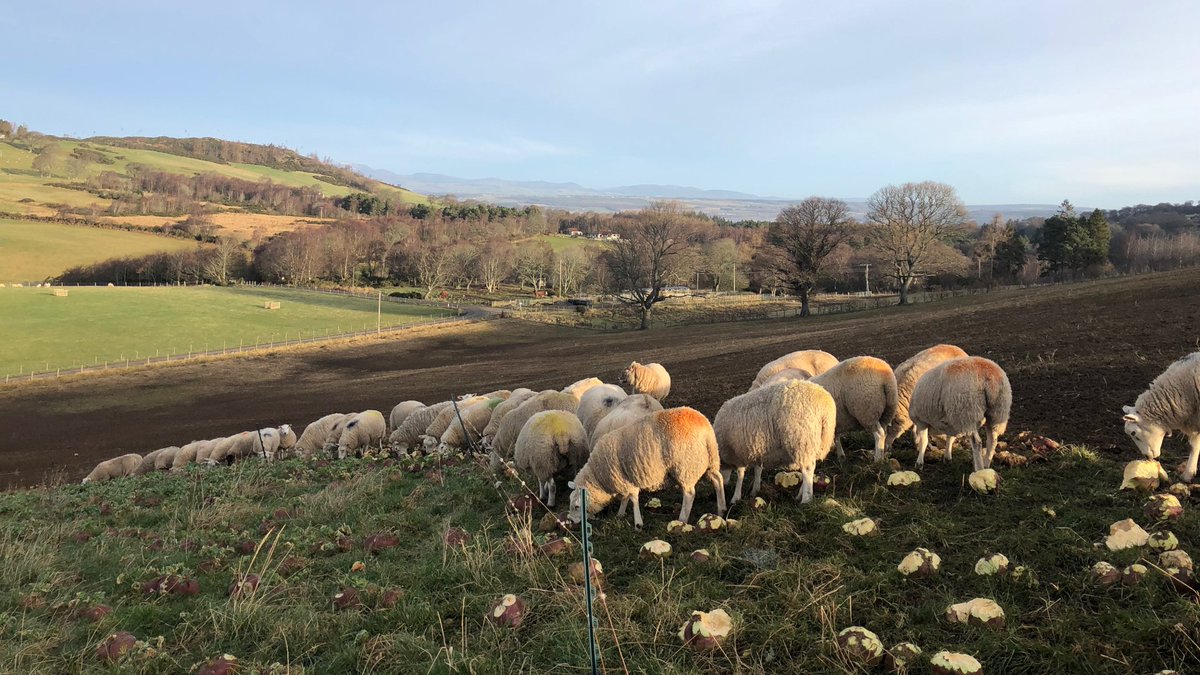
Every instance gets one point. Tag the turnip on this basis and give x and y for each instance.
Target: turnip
(706, 630)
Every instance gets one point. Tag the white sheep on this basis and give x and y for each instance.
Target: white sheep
(510, 404)
(1172, 403)
(466, 428)
(117, 467)
(164, 458)
(187, 454)
(147, 464)
(401, 411)
(316, 434)
(956, 398)
(578, 389)
(812, 361)
(408, 436)
(907, 374)
(226, 450)
(285, 443)
(550, 443)
(629, 410)
(597, 403)
(651, 379)
(785, 375)
(262, 443)
(677, 444)
(864, 389)
(787, 425)
(203, 450)
(366, 429)
(510, 427)
(448, 415)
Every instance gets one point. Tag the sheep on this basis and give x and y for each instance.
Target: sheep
(513, 422)
(225, 450)
(812, 361)
(402, 411)
(578, 389)
(1172, 403)
(787, 425)
(448, 415)
(466, 432)
(650, 379)
(907, 374)
(409, 434)
(205, 448)
(164, 458)
(551, 442)
(187, 454)
(117, 467)
(785, 375)
(329, 445)
(629, 410)
(514, 401)
(597, 403)
(148, 460)
(678, 443)
(316, 434)
(258, 443)
(367, 428)
(287, 441)
(956, 398)
(864, 388)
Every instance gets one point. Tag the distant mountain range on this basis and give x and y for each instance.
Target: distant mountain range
(575, 197)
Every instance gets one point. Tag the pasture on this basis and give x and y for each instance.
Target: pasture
(97, 324)
(34, 251)
(790, 576)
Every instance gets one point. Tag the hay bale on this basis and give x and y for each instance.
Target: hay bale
(60, 292)
(270, 305)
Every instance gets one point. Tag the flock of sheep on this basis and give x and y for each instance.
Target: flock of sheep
(619, 444)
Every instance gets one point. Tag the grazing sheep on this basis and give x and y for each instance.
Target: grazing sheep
(864, 388)
(651, 379)
(164, 459)
(367, 428)
(551, 442)
(474, 418)
(401, 412)
(597, 403)
(786, 375)
(287, 441)
(788, 425)
(117, 467)
(629, 410)
(205, 449)
(513, 422)
(316, 435)
(907, 374)
(264, 443)
(226, 450)
(408, 436)
(448, 415)
(510, 404)
(1172, 403)
(678, 444)
(812, 361)
(578, 389)
(148, 460)
(956, 398)
(191, 453)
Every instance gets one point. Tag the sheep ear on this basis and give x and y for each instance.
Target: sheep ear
(571, 484)
(1128, 409)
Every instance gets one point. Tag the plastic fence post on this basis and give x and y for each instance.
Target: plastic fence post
(585, 530)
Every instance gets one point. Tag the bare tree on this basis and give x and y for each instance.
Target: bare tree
(645, 258)
(990, 238)
(495, 264)
(907, 221)
(805, 235)
(432, 267)
(569, 270)
(220, 261)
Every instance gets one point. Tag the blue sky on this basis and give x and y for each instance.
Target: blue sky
(1010, 101)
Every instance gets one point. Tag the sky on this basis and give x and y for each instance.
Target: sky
(1017, 101)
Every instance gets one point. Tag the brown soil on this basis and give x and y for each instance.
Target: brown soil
(1074, 353)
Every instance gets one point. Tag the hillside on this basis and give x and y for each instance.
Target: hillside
(238, 188)
(35, 251)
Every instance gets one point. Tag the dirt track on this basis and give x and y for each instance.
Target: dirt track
(1074, 355)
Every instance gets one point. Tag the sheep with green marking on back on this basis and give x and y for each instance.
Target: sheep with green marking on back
(1172, 403)
(510, 427)
(514, 400)
(117, 467)
(552, 442)
(466, 427)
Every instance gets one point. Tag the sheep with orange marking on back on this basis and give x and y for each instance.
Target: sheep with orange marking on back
(864, 389)
(907, 374)
(651, 379)
(811, 361)
(957, 398)
(551, 442)
(675, 444)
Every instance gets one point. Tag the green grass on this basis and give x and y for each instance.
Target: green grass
(560, 243)
(93, 325)
(789, 576)
(33, 251)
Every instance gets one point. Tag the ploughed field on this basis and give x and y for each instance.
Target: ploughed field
(790, 577)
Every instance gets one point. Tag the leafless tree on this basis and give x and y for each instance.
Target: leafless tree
(495, 264)
(990, 237)
(222, 258)
(805, 235)
(907, 221)
(569, 270)
(432, 267)
(642, 262)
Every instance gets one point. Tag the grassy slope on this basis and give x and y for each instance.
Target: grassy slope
(32, 251)
(95, 323)
(560, 243)
(789, 577)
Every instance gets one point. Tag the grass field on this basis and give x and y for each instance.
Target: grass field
(561, 243)
(109, 324)
(33, 251)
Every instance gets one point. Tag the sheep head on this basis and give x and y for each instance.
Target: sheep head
(597, 498)
(1147, 435)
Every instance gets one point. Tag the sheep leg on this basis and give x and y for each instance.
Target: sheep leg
(737, 491)
(624, 503)
(637, 511)
(689, 496)
(551, 489)
(921, 440)
(977, 452)
(758, 471)
(806, 483)
(1189, 472)
(719, 486)
(837, 444)
(880, 441)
